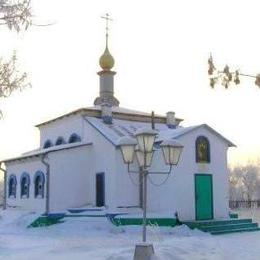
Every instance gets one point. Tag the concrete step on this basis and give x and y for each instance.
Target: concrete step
(217, 227)
(204, 223)
(228, 227)
(221, 232)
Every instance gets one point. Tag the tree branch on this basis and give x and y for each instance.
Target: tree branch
(226, 77)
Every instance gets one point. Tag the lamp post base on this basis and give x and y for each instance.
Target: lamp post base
(143, 251)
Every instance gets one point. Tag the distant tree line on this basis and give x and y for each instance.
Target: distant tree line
(244, 182)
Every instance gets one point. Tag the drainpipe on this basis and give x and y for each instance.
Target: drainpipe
(47, 204)
(5, 183)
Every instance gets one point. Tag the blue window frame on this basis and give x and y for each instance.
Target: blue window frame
(39, 181)
(25, 185)
(60, 140)
(12, 183)
(202, 150)
(47, 144)
(74, 138)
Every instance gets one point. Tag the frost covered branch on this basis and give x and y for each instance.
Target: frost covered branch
(10, 78)
(226, 76)
(16, 15)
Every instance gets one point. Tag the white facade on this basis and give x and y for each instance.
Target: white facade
(18, 168)
(73, 169)
(62, 128)
(179, 190)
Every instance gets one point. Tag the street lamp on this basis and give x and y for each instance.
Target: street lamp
(145, 139)
(142, 147)
(171, 151)
(127, 146)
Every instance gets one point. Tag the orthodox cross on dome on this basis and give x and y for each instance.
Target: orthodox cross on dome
(108, 19)
(106, 61)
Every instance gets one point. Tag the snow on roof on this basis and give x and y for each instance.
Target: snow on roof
(96, 109)
(175, 133)
(121, 128)
(37, 152)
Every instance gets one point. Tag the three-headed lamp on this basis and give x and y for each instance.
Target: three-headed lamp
(172, 150)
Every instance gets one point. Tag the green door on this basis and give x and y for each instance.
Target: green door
(203, 196)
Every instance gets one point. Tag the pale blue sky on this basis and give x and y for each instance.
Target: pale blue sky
(160, 49)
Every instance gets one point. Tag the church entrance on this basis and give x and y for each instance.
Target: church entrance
(203, 196)
(100, 189)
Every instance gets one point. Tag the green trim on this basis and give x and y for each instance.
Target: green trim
(195, 195)
(233, 215)
(45, 221)
(162, 222)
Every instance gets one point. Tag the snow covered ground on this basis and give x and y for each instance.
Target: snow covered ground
(96, 239)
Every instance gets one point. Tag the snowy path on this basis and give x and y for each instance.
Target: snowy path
(97, 239)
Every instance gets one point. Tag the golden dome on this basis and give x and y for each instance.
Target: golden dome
(106, 61)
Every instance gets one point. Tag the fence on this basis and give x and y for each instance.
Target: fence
(235, 204)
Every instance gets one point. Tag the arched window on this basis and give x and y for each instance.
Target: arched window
(202, 150)
(39, 181)
(60, 140)
(47, 144)
(74, 138)
(25, 185)
(12, 182)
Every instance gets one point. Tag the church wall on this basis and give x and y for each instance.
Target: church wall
(103, 161)
(30, 166)
(127, 190)
(178, 193)
(70, 178)
(64, 128)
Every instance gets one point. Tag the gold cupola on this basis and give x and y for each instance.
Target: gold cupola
(106, 61)
(106, 98)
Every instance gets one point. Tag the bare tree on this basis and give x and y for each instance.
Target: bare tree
(16, 15)
(10, 78)
(235, 192)
(250, 180)
(245, 181)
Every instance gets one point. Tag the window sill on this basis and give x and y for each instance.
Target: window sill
(203, 162)
(39, 197)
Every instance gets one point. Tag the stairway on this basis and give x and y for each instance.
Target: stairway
(218, 227)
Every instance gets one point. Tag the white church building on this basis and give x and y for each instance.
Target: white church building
(79, 163)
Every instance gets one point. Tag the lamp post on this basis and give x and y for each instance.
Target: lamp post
(141, 147)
